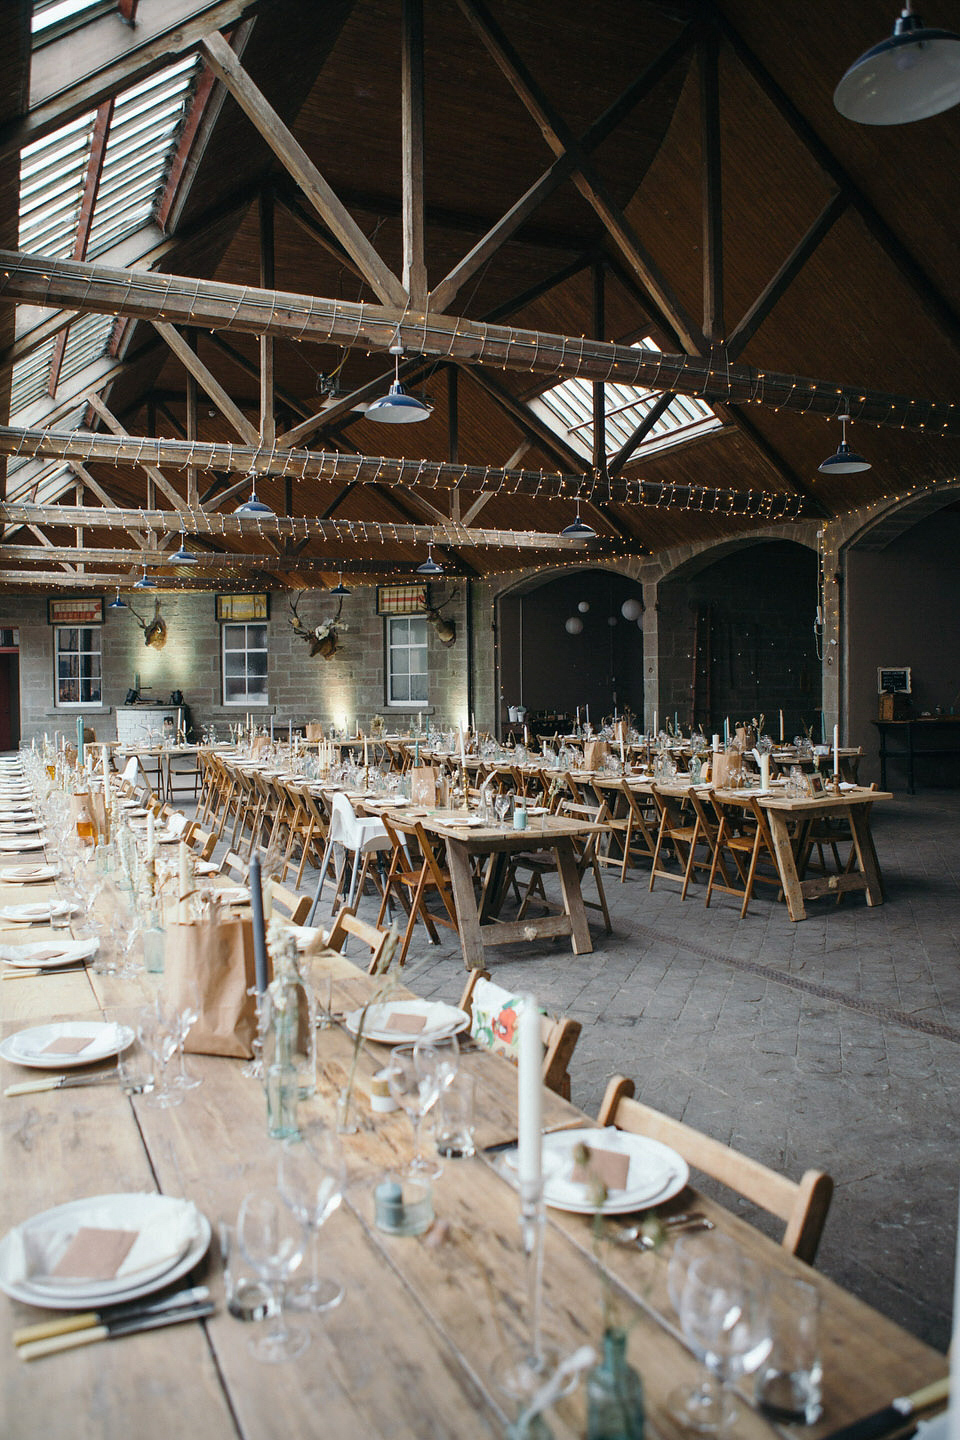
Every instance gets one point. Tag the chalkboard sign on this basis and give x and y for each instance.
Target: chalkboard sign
(893, 682)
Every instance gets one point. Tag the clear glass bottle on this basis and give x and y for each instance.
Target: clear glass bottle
(614, 1393)
(279, 1012)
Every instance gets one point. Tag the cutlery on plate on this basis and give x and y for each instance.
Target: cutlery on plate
(113, 1330)
(60, 1082)
(895, 1415)
(21, 974)
(131, 1310)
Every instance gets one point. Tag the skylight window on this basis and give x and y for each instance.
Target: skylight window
(568, 410)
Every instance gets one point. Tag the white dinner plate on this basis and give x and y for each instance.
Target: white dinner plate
(20, 826)
(442, 1020)
(25, 843)
(465, 822)
(42, 910)
(49, 954)
(656, 1172)
(27, 1047)
(28, 874)
(233, 895)
(111, 1211)
(13, 814)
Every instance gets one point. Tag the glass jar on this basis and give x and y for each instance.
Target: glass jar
(614, 1393)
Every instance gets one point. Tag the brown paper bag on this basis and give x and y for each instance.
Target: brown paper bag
(315, 730)
(220, 956)
(594, 754)
(726, 764)
(423, 786)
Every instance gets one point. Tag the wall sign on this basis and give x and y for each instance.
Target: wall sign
(402, 599)
(81, 610)
(894, 682)
(243, 607)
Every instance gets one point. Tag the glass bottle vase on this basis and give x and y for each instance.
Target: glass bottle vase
(614, 1393)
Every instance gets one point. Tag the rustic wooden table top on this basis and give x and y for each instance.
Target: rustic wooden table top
(411, 1351)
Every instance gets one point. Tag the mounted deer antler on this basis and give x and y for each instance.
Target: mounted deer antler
(446, 628)
(155, 630)
(323, 638)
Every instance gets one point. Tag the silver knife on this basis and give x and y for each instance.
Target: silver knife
(130, 1310)
(61, 1082)
(113, 1329)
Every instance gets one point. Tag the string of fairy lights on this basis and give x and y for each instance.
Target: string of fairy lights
(155, 296)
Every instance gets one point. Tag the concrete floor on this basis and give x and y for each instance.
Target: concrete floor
(834, 1042)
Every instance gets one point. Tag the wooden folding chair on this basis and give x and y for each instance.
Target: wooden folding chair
(802, 1205)
(559, 1038)
(676, 830)
(539, 863)
(417, 871)
(347, 927)
(288, 903)
(743, 836)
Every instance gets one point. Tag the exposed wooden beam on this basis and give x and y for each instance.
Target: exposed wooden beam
(268, 427)
(367, 469)
(91, 188)
(937, 306)
(208, 382)
(708, 50)
(562, 141)
(206, 562)
(294, 158)
(784, 472)
(214, 305)
(599, 392)
(411, 110)
(151, 471)
(346, 532)
(786, 275)
(78, 72)
(530, 424)
(286, 398)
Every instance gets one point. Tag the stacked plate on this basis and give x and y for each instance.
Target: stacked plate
(30, 914)
(48, 954)
(171, 1237)
(654, 1173)
(385, 1023)
(66, 1044)
(28, 874)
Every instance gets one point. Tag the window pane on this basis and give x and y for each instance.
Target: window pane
(233, 689)
(233, 637)
(418, 688)
(67, 639)
(257, 666)
(256, 637)
(418, 631)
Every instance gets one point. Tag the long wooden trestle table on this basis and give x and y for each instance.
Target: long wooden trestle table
(411, 1351)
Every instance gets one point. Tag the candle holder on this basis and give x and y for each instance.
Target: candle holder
(522, 1375)
(465, 787)
(253, 1070)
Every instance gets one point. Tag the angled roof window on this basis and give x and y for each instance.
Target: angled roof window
(568, 410)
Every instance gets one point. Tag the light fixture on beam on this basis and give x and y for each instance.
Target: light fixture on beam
(912, 74)
(845, 461)
(145, 582)
(579, 530)
(183, 556)
(254, 506)
(340, 588)
(397, 407)
(430, 566)
(117, 604)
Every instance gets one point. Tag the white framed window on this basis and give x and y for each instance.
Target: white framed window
(407, 660)
(79, 662)
(244, 664)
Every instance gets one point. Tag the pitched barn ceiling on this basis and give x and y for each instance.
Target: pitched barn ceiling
(502, 188)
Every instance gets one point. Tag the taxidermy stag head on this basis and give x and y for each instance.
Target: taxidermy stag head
(324, 638)
(445, 627)
(155, 630)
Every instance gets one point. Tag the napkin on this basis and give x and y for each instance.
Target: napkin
(610, 1166)
(94, 1254)
(68, 1045)
(409, 1024)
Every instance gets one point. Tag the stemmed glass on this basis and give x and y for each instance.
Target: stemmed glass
(311, 1176)
(501, 804)
(157, 1027)
(273, 1240)
(720, 1297)
(187, 1013)
(414, 1083)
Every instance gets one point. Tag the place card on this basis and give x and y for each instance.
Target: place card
(94, 1254)
(68, 1045)
(610, 1166)
(409, 1024)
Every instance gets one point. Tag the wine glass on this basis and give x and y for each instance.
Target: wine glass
(188, 1013)
(311, 1175)
(273, 1240)
(157, 1031)
(501, 804)
(720, 1297)
(415, 1085)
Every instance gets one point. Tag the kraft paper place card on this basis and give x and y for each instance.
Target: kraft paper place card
(94, 1254)
(610, 1166)
(409, 1024)
(68, 1045)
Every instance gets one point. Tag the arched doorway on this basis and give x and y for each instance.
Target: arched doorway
(553, 672)
(737, 639)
